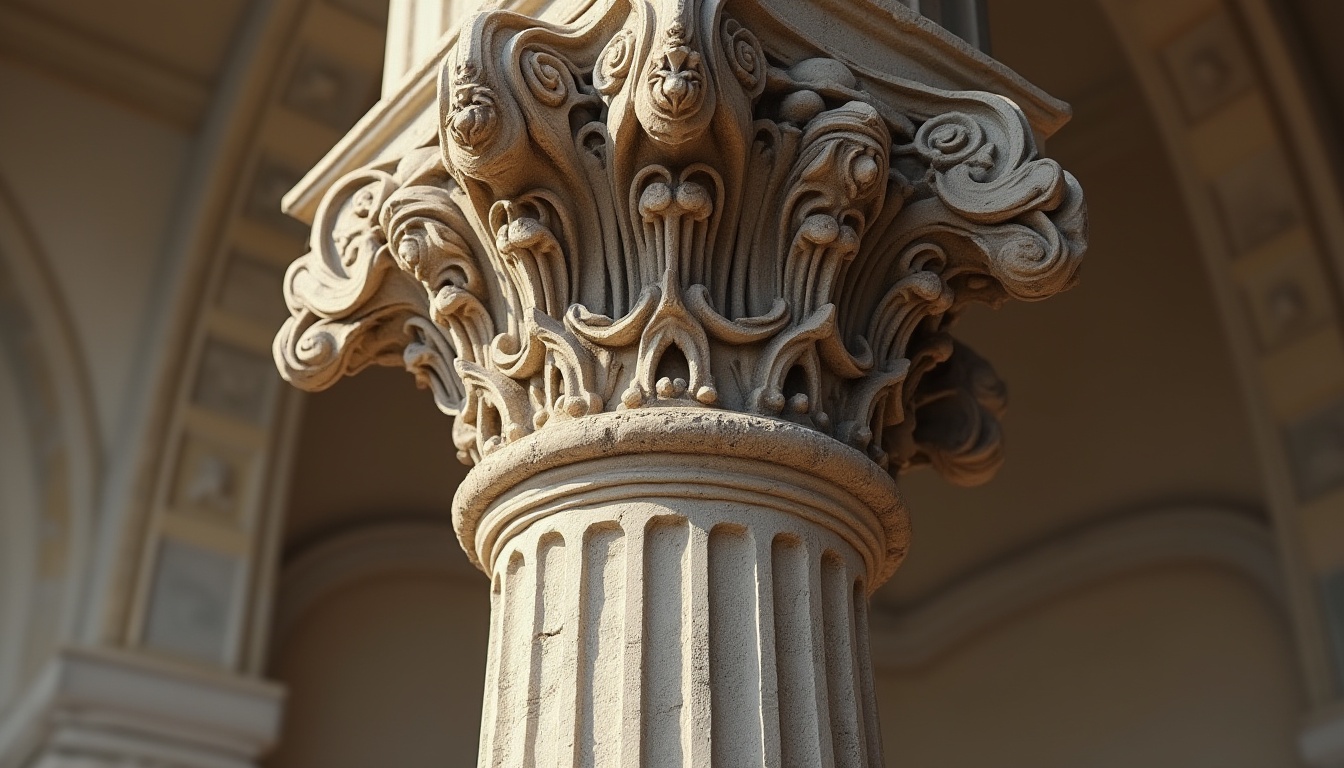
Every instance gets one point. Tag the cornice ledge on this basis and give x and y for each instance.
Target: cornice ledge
(565, 461)
(91, 700)
(400, 121)
(908, 45)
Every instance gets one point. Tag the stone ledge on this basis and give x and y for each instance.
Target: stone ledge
(91, 701)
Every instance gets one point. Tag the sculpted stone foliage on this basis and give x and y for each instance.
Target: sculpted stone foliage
(653, 209)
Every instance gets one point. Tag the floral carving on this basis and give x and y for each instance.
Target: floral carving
(651, 211)
(676, 80)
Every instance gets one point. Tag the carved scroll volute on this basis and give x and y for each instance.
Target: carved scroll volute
(348, 299)
(391, 278)
(1023, 215)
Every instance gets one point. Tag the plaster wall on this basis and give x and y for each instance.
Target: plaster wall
(371, 447)
(1133, 401)
(1179, 666)
(19, 509)
(98, 184)
(388, 671)
(1122, 391)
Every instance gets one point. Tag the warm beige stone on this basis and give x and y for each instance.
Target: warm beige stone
(687, 292)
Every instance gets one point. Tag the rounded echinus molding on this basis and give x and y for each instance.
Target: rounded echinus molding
(684, 275)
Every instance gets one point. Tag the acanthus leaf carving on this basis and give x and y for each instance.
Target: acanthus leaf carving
(651, 209)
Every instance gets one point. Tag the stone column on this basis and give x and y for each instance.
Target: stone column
(683, 272)
(673, 587)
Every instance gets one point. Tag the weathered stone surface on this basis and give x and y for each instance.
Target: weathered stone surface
(651, 210)
(680, 587)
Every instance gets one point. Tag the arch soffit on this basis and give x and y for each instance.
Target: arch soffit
(905, 639)
(213, 429)
(59, 395)
(166, 353)
(1250, 158)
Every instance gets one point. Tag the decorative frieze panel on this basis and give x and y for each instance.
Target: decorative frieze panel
(1316, 447)
(329, 89)
(1208, 66)
(1257, 200)
(1284, 289)
(271, 179)
(654, 209)
(247, 290)
(234, 382)
(214, 481)
(193, 604)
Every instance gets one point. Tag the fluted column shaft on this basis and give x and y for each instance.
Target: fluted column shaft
(661, 608)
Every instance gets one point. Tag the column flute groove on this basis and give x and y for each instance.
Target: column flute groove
(628, 740)
(771, 746)
(602, 624)
(736, 661)
(667, 635)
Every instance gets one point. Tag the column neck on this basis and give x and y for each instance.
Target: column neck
(672, 588)
(671, 453)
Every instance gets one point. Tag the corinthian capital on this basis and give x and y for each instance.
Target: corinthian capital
(689, 203)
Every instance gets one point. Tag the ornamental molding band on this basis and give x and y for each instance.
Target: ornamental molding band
(685, 277)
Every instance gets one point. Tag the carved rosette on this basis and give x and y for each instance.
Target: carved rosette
(651, 210)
